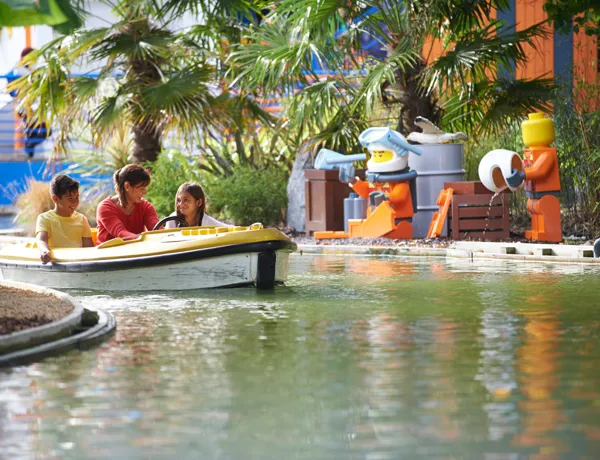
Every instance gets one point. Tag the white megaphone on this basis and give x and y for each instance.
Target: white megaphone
(329, 159)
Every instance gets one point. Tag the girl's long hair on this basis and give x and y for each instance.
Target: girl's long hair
(135, 175)
(196, 191)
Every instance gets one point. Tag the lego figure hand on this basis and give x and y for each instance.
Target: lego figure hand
(376, 198)
(347, 174)
(516, 178)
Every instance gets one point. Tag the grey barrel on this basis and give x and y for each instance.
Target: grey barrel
(439, 163)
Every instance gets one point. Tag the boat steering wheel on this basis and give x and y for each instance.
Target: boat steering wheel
(162, 222)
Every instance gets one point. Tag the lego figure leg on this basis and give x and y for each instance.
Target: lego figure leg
(380, 223)
(545, 219)
(403, 231)
(377, 224)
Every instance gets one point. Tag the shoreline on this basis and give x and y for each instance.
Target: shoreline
(22, 309)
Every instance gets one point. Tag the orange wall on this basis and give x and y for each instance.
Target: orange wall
(585, 70)
(541, 58)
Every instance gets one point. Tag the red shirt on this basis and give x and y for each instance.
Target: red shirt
(114, 223)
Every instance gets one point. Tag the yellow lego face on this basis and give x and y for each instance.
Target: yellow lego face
(381, 156)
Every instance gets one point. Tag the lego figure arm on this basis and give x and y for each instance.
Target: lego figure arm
(541, 168)
(361, 188)
(399, 193)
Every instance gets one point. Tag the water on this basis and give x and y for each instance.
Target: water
(356, 358)
(489, 211)
(6, 221)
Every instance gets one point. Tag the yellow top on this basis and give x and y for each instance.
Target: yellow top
(538, 131)
(168, 241)
(64, 232)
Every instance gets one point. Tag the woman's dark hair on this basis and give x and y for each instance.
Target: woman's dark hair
(25, 51)
(196, 191)
(135, 175)
(62, 184)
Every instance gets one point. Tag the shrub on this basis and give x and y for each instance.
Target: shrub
(251, 195)
(476, 149)
(169, 171)
(35, 200)
(577, 130)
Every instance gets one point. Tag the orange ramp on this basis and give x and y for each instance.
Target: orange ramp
(439, 217)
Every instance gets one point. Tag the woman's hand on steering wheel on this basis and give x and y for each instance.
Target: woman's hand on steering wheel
(162, 222)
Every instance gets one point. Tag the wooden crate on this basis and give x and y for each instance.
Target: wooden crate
(482, 216)
(324, 194)
(469, 188)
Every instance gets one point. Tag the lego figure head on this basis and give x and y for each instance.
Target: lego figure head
(388, 150)
(538, 131)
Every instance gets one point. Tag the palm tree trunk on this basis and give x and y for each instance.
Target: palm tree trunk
(414, 100)
(147, 142)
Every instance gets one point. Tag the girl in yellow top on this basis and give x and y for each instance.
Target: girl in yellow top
(63, 227)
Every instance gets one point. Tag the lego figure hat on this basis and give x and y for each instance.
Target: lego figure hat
(387, 140)
(376, 138)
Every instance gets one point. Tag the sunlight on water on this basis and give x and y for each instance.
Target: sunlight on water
(356, 357)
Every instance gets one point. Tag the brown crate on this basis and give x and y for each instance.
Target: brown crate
(325, 200)
(471, 216)
(319, 174)
(469, 188)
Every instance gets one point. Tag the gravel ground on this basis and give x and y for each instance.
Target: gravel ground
(422, 243)
(416, 243)
(21, 309)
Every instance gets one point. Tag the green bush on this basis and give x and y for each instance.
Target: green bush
(250, 195)
(577, 131)
(511, 139)
(476, 149)
(169, 171)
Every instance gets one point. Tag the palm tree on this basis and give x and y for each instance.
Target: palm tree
(148, 75)
(62, 15)
(467, 86)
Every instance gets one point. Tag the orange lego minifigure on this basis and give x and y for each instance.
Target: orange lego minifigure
(542, 179)
(387, 186)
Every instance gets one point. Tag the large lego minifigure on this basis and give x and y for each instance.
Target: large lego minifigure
(542, 180)
(387, 186)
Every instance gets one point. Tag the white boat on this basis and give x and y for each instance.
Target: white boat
(175, 259)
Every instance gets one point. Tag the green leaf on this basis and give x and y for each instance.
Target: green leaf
(19, 13)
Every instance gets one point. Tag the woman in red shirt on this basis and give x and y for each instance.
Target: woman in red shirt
(126, 214)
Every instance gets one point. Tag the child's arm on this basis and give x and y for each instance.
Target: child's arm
(86, 239)
(150, 215)
(42, 233)
(42, 242)
(171, 223)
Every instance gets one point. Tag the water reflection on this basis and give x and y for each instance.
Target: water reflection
(356, 358)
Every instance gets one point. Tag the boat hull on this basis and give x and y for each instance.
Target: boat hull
(221, 271)
(195, 258)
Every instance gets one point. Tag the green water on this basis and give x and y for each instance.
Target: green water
(355, 358)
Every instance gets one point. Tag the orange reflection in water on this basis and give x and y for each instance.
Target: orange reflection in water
(537, 362)
(380, 268)
(393, 354)
(374, 268)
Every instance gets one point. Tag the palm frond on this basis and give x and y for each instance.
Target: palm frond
(491, 106)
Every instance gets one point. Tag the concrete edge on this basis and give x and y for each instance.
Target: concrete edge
(41, 334)
(438, 252)
(371, 250)
(102, 330)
